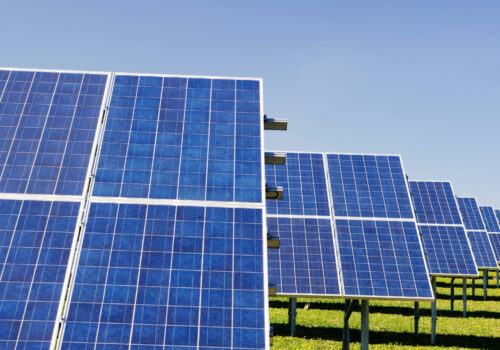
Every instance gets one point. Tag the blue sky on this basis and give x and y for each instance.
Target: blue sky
(416, 78)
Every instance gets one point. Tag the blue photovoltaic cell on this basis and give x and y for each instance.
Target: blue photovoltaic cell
(166, 277)
(368, 186)
(471, 214)
(497, 214)
(305, 263)
(47, 128)
(483, 251)
(434, 202)
(303, 180)
(182, 138)
(35, 243)
(490, 219)
(495, 242)
(382, 259)
(448, 251)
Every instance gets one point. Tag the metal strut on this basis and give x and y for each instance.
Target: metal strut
(485, 284)
(433, 312)
(464, 297)
(349, 305)
(417, 316)
(292, 315)
(365, 311)
(452, 294)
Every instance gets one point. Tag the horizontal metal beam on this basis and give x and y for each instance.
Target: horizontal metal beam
(276, 158)
(275, 123)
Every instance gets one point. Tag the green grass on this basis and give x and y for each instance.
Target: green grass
(391, 323)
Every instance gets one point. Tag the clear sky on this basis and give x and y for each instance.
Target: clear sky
(416, 78)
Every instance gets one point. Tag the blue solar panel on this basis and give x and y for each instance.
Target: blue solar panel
(305, 263)
(167, 277)
(471, 214)
(495, 242)
(47, 129)
(483, 251)
(303, 180)
(382, 259)
(448, 251)
(490, 219)
(182, 138)
(368, 186)
(434, 202)
(35, 243)
(497, 214)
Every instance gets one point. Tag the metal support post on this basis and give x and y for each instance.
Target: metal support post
(346, 338)
(464, 297)
(473, 286)
(292, 313)
(498, 284)
(485, 283)
(364, 324)
(452, 294)
(417, 316)
(433, 312)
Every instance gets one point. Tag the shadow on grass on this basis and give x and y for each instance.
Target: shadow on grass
(459, 285)
(477, 297)
(390, 310)
(384, 337)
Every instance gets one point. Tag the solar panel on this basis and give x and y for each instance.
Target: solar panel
(35, 244)
(182, 138)
(169, 276)
(305, 264)
(495, 242)
(476, 231)
(303, 180)
(47, 129)
(444, 238)
(483, 250)
(368, 186)
(471, 214)
(434, 202)
(490, 219)
(497, 214)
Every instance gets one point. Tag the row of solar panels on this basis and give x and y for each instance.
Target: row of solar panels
(131, 212)
(353, 226)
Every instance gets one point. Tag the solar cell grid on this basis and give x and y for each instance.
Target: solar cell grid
(182, 138)
(35, 243)
(471, 214)
(448, 250)
(490, 219)
(305, 263)
(483, 251)
(47, 129)
(497, 214)
(304, 185)
(382, 259)
(495, 243)
(434, 202)
(163, 276)
(368, 186)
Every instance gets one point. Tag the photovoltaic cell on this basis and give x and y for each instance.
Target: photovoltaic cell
(382, 259)
(167, 277)
(304, 185)
(368, 186)
(490, 219)
(305, 263)
(47, 129)
(471, 214)
(35, 243)
(495, 242)
(447, 250)
(497, 214)
(483, 250)
(182, 138)
(434, 202)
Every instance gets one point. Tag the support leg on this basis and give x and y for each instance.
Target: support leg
(485, 283)
(417, 316)
(473, 286)
(434, 313)
(349, 304)
(464, 297)
(452, 294)
(498, 284)
(364, 324)
(292, 314)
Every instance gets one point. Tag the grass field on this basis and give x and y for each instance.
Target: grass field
(391, 323)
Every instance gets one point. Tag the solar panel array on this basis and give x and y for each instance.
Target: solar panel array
(495, 242)
(375, 245)
(493, 228)
(476, 231)
(164, 247)
(444, 238)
